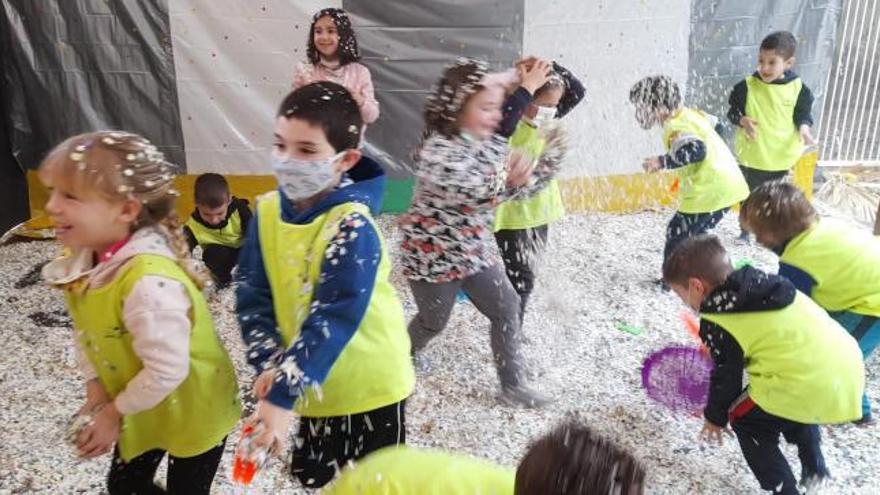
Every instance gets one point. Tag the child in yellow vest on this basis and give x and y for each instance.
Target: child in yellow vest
(323, 325)
(521, 225)
(804, 369)
(837, 265)
(570, 460)
(217, 224)
(710, 182)
(772, 111)
(158, 380)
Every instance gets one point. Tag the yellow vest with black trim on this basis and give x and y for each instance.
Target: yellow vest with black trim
(409, 471)
(844, 263)
(714, 183)
(375, 368)
(540, 209)
(778, 144)
(202, 410)
(230, 235)
(802, 365)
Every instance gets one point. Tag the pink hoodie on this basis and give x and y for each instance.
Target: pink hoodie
(354, 76)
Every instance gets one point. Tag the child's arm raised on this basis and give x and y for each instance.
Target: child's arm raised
(532, 76)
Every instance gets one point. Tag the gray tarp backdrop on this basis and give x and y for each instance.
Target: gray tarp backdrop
(725, 36)
(71, 66)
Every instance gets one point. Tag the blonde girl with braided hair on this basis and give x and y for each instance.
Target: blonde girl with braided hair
(158, 379)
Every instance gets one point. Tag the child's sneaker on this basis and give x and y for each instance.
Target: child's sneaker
(814, 485)
(521, 395)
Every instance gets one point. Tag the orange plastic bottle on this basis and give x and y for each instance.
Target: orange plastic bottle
(248, 458)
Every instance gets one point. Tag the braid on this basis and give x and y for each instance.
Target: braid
(174, 234)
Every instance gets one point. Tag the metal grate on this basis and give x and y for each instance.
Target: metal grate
(849, 129)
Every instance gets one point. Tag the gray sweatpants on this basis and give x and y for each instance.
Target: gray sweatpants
(493, 295)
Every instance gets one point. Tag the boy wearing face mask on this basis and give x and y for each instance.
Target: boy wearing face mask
(324, 328)
(804, 368)
(522, 225)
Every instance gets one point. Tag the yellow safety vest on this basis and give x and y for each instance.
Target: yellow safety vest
(230, 235)
(202, 410)
(714, 183)
(375, 367)
(778, 145)
(802, 365)
(844, 263)
(408, 471)
(544, 207)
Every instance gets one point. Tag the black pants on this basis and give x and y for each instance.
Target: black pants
(685, 225)
(755, 178)
(758, 434)
(186, 475)
(521, 249)
(323, 446)
(220, 260)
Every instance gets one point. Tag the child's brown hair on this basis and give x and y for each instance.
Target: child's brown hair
(459, 82)
(702, 257)
(117, 166)
(574, 460)
(211, 190)
(777, 208)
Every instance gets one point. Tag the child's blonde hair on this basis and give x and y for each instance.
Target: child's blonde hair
(778, 208)
(118, 166)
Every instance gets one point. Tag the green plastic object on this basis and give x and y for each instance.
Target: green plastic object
(743, 262)
(623, 327)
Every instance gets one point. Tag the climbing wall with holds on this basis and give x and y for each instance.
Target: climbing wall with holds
(234, 62)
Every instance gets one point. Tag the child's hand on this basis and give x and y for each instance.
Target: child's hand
(807, 135)
(534, 77)
(712, 433)
(749, 125)
(652, 164)
(95, 396)
(263, 383)
(519, 169)
(276, 422)
(98, 438)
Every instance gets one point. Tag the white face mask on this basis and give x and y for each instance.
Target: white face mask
(544, 116)
(302, 179)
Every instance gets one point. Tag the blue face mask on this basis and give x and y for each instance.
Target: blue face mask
(302, 179)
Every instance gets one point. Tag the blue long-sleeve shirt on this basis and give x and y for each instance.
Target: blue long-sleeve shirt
(340, 299)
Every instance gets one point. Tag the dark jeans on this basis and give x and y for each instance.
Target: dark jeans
(754, 178)
(521, 250)
(220, 260)
(685, 225)
(323, 446)
(758, 434)
(186, 475)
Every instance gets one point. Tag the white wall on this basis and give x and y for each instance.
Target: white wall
(610, 45)
(234, 63)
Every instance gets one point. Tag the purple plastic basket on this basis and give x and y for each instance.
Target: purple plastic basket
(678, 378)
